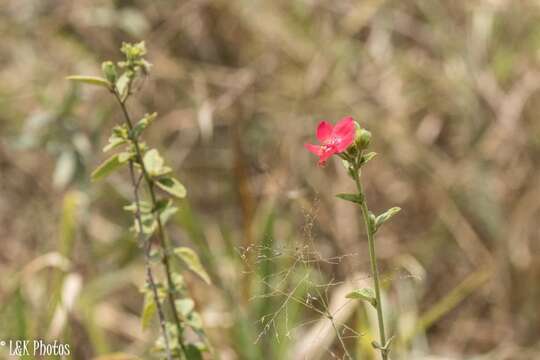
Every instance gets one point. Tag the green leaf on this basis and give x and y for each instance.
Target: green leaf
(154, 164)
(191, 259)
(165, 209)
(149, 309)
(144, 206)
(118, 137)
(106, 168)
(109, 70)
(355, 198)
(114, 142)
(384, 217)
(125, 156)
(122, 85)
(194, 320)
(178, 281)
(149, 223)
(185, 306)
(92, 80)
(172, 186)
(367, 157)
(193, 352)
(167, 213)
(143, 124)
(365, 294)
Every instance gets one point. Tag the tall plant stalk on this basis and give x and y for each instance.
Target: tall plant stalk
(370, 231)
(349, 141)
(147, 263)
(161, 235)
(146, 166)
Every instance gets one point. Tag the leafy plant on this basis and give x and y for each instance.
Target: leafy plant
(169, 299)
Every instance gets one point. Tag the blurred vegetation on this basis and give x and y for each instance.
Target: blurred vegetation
(449, 90)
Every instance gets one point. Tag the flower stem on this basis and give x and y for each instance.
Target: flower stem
(370, 230)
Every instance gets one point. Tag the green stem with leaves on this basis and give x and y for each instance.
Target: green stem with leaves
(160, 231)
(370, 230)
(354, 159)
(147, 262)
(150, 216)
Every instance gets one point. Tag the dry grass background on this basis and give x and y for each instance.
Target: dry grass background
(449, 90)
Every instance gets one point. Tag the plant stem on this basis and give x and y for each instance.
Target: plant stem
(147, 248)
(160, 231)
(373, 259)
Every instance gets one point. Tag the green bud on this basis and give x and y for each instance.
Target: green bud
(363, 138)
(109, 70)
(133, 51)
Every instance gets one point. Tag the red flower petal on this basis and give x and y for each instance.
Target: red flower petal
(325, 155)
(344, 127)
(316, 149)
(324, 131)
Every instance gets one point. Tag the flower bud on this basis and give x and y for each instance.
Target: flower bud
(109, 70)
(363, 138)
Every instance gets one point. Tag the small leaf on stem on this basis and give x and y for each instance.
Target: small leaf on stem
(191, 259)
(154, 164)
(367, 157)
(365, 294)
(144, 206)
(384, 217)
(92, 80)
(172, 186)
(122, 86)
(355, 198)
(184, 306)
(193, 352)
(114, 141)
(143, 124)
(107, 167)
(149, 309)
(123, 157)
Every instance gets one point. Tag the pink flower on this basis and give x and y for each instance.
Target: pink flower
(333, 139)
